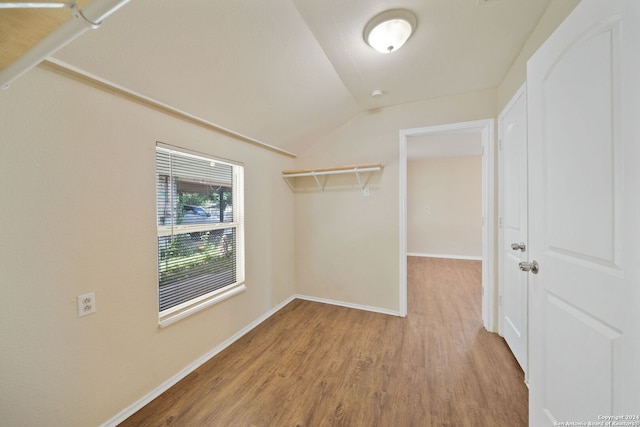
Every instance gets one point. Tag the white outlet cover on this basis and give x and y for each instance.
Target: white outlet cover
(86, 304)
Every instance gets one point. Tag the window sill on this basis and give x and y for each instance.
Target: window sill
(193, 307)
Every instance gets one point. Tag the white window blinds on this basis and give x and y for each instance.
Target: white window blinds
(200, 227)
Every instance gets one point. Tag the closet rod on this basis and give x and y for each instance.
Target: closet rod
(332, 171)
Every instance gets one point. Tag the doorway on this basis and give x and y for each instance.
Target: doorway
(485, 128)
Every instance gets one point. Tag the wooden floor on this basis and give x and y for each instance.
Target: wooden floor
(313, 364)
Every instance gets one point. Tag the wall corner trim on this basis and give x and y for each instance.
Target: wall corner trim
(349, 305)
(140, 403)
(447, 256)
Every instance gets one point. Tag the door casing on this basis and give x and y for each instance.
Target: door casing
(486, 128)
(512, 226)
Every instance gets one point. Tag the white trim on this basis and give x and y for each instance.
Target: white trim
(464, 257)
(402, 163)
(516, 97)
(488, 221)
(175, 313)
(486, 127)
(349, 305)
(132, 409)
(172, 316)
(70, 71)
(140, 403)
(163, 146)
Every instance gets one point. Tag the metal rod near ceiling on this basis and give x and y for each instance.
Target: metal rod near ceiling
(91, 16)
(35, 5)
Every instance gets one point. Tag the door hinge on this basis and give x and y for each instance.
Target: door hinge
(499, 144)
(500, 222)
(500, 300)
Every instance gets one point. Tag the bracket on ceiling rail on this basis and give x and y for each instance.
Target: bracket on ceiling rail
(77, 14)
(88, 18)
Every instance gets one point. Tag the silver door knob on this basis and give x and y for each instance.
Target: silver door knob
(518, 246)
(529, 266)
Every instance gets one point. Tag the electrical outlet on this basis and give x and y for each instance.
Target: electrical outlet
(86, 304)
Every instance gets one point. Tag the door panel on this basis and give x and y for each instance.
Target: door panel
(513, 207)
(578, 198)
(572, 379)
(568, 133)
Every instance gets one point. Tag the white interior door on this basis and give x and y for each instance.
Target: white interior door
(583, 213)
(513, 226)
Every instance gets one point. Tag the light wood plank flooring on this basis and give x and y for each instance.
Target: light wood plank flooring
(313, 364)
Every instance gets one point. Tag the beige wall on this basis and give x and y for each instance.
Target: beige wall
(77, 174)
(444, 206)
(553, 16)
(347, 245)
(77, 170)
(556, 12)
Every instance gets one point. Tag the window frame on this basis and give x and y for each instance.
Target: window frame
(194, 305)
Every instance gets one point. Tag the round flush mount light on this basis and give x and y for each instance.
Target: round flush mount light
(388, 31)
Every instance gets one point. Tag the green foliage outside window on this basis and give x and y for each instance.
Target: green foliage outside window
(186, 251)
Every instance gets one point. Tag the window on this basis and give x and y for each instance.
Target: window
(200, 231)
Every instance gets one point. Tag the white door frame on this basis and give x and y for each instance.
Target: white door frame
(516, 97)
(503, 247)
(486, 127)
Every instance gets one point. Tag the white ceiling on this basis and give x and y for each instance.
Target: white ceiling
(286, 71)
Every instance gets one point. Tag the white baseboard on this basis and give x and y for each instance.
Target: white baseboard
(348, 305)
(127, 412)
(467, 257)
(135, 407)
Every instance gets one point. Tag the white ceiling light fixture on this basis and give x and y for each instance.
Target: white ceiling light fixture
(388, 31)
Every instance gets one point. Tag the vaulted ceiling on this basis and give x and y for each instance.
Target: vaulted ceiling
(285, 71)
